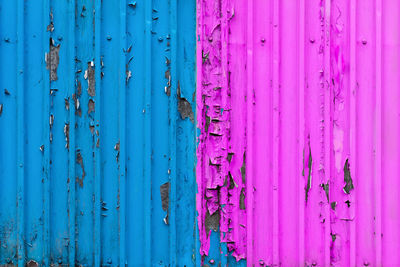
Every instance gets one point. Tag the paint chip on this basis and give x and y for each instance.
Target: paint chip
(347, 178)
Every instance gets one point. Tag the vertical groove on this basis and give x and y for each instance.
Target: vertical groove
(172, 134)
(249, 132)
(352, 93)
(71, 161)
(46, 137)
(199, 118)
(327, 128)
(300, 152)
(275, 126)
(147, 133)
(122, 127)
(47, 151)
(97, 172)
(20, 134)
(378, 134)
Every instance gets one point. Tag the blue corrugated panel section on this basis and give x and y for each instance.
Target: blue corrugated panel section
(97, 132)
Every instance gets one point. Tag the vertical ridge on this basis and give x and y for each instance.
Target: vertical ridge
(276, 139)
(172, 134)
(353, 92)
(20, 134)
(301, 148)
(327, 129)
(97, 172)
(378, 134)
(249, 133)
(122, 126)
(147, 132)
(71, 160)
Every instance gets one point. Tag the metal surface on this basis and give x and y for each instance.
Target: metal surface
(298, 156)
(97, 114)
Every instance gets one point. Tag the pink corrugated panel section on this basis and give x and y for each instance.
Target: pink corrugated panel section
(299, 151)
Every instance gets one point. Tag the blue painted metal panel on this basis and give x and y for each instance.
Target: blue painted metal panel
(96, 115)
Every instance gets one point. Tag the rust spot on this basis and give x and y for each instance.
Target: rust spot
(333, 205)
(347, 178)
(184, 107)
(89, 76)
(98, 142)
(79, 160)
(52, 60)
(90, 106)
(32, 263)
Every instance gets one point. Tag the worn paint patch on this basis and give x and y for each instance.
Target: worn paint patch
(184, 107)
(164, 192)
(347, 178)
(53, 59)
(79, 160)
(90, 77)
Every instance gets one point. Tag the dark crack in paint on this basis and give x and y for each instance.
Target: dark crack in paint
(333, 205)
(326, 189)
(333, 237)
(347, 178)
(89, 76)
(308, 187)
(184, 107)
(208, 121)
(66, 103)
(66, 133)
(52, 60)
(242, 199)
(243, 168)
(1, 109)
(116, 148)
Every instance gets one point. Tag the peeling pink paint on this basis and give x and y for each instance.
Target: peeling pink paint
(305, 95)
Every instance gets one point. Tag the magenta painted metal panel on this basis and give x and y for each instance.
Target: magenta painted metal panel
(298, 152)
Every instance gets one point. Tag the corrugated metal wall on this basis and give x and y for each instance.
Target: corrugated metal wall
(298, 106)
(96, 116)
